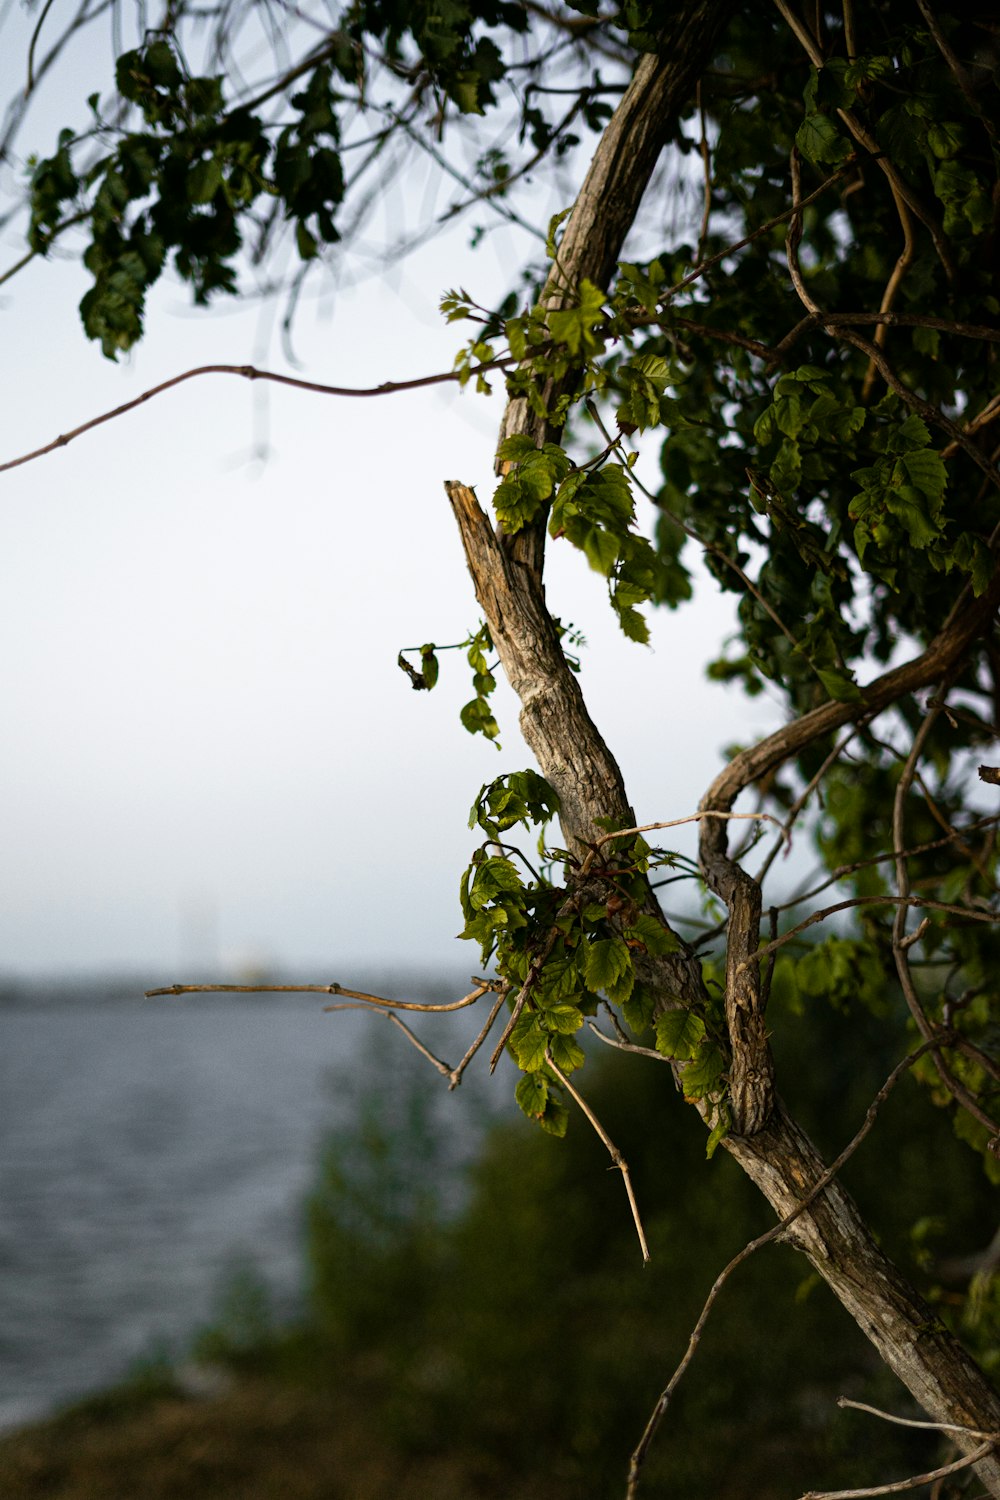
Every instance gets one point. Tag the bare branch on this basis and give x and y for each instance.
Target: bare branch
(250, 372)
(913, 1483)
(455, 1076)
(612, 1150)
(900, 948)
(411, 1036)
(887, 1416)
(698, 817)
(483, 986)
(899, 901)
(768, 1237)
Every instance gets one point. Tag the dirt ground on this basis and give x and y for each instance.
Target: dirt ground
(257, 1441)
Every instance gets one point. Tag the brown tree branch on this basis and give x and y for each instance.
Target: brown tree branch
(888, 1416)
(769, 1236)
(915, 1481)
(575, 759)
(250, 372)
(482, 987)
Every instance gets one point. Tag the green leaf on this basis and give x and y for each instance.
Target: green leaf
(428, 666)
(529, 1042)
(566, 1054)
(633, 625)
(679, 1033)
(556, 1117)
(496, 876)
(574, 326)
(477, 717)
(972, 555)
(820, 141)
(910, 506)
(719, 1131)
(605, 962)
(653, 935)
(703, 1076)
(839, 684)
(638, 1009)
(926, 470)
(532, 1094)
(563, 1018)
(601, 549)
(550, 237)
(204, 180)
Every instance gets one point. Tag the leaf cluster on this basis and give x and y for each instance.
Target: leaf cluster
(566, 950)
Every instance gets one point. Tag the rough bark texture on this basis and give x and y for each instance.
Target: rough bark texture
(575, 759)
(909, 1336)
(612, 190)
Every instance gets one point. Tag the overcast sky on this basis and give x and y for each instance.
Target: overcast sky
(210, 760)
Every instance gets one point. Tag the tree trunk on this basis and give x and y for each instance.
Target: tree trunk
(575, 759)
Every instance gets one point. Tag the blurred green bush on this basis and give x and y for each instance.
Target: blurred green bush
(518, 1326)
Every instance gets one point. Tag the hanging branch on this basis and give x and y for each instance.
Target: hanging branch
(612, 1151)
(411, 1036)
(659, 1411)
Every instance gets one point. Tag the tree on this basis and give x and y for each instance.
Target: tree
(814, 349)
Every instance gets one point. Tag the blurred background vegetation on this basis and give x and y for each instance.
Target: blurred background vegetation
(488, 1329)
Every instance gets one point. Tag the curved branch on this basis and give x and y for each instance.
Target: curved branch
(250, 372)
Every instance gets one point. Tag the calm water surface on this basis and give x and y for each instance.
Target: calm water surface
(147, 1148)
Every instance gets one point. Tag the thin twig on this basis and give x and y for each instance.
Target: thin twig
(843, 871)
(886, 1416)
(611, 1148)
(482, 987)
(755, 234)
(455, 1076)
(624, 1045)
(250, 372)
(698, 817)
(822, 1182)
(893, 284)
(26, 259)
(411, 1036)
(951, 1081)
(706, 161)
(803, 798)
(34, 42)
(899, 901)
(913, 1483)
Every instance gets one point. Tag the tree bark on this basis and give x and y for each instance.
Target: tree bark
(574, 758)
(612, 190)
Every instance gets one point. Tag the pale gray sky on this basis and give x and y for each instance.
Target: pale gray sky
(209, 757)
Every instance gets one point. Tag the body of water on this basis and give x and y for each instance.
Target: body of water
(147, 1149)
